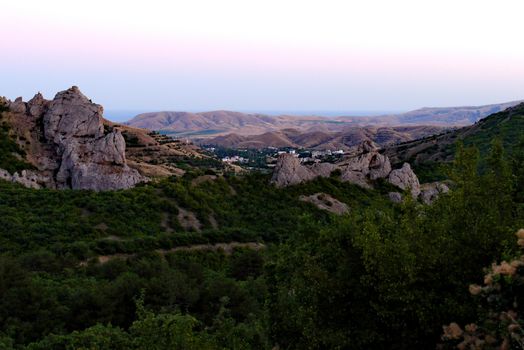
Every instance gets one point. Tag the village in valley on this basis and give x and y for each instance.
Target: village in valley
(267, 157)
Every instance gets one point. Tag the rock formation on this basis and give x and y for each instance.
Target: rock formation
(367, 164)
(362, 167)
(71, 148)
(28, 178)
(431, 191)
(405, 179)
(288, 171)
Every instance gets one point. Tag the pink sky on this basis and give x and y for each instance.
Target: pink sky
(266, 55)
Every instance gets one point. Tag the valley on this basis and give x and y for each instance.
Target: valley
(116, 237)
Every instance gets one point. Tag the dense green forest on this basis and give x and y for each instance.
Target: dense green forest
(140, 268)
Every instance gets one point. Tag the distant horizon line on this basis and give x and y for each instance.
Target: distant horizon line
(124, 115)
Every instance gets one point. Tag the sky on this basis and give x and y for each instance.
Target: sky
(270, 55)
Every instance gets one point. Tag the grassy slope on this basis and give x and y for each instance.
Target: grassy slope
(508, 126)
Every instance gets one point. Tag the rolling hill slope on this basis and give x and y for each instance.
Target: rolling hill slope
(216, 123)
(323, 140)
(427, 152)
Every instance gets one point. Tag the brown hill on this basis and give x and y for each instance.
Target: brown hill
(321, 140)
(441, 116)
(215, 123)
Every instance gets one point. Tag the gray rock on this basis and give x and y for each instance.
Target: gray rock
(431, 191)
(77, 151)
(18, 106)
(362, 167)
(367, 164)
(288, 171)
(379, 166)
(27, 178)
(355, 177)
(405, 179)
(71, 114)
(395, 197)
(367, 146)
(37, 105)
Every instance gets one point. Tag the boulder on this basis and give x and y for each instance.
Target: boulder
(288, 171)
(355, 177)
(379, 166)
(395, 197)
(405, 179)
(431, 191)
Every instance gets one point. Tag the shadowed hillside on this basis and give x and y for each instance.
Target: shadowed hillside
(428, 153)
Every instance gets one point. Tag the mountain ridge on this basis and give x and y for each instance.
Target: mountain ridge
(428, 152)
(221, 122)
(322, 140)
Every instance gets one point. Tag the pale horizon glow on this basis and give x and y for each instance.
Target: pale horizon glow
(265, 55)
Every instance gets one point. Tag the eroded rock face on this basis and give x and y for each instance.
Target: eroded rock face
(18, 106)
(37, 105)
(365, 165)
(405, 179)
(70, 115)
(76, 149)
(288, 171)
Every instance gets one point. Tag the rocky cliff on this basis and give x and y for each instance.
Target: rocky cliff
(66, 140)
(362, 167)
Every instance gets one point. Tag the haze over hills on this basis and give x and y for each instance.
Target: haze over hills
(217, 123)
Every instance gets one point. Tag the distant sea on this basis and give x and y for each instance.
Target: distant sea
(125, 115)
(121, 115)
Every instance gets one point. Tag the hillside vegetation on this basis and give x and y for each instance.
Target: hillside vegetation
(206, 262)
(11, 155)
(428, 154)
